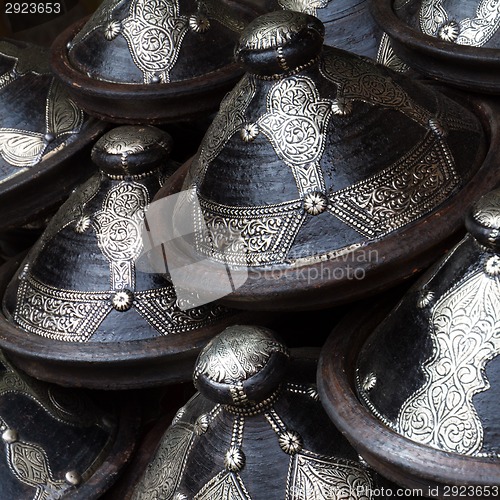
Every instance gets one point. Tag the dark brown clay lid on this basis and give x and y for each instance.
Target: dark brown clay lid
(41, 131)
(245, 435)
(152, 60)
(319, 156)
(453, 41)
(58, 443)
(429, 373)
(80, 283)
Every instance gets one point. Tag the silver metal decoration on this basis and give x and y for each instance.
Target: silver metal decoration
(466, 335)
(474, 31)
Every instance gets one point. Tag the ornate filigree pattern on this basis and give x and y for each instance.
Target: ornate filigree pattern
(214, 9)
(231, 358)
(295, 124)
(272, 31)
(315, 476)
(360, 80)
(247, 236)
(224, 486)
(486, 211)
(118, 230)
(387, 56)
(163, 473)
(465, 332)
(399, 194)
(307, 6)
(59, 314)
(30, 465)
(74, 316)
(131, 140)
(154, 32)
(474, 31)
(229, 120)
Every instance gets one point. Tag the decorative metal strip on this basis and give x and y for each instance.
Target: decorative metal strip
(229, 120)
(224, 486)
(296, 123)
(316, 476)
(154, 32)
(162, 475)
(29, 463)
(251, 236)
(360, 80)
(399, 194)
(161, 310)
(118, 231)
(307, 6)
(465, 333)
(59, 314)
(474, 31)
(387, 56)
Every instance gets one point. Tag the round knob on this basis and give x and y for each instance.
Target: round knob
(132, 151)
(242, 366)
(280, 42)
(483, 220)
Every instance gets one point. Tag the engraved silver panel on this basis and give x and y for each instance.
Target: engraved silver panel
(247, 236)
(360, 80)
(154, 31)
(387, 56)
(296, 123)
(161, 478)
(231, 358)
(224, 486)
(474, 31)
(465, 332)
(399, 194)
(229, 120)
(313, 476)
(118, 229)
(307, 6)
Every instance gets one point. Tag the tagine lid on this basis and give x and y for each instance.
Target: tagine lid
(415, 389)
(452, 41)
(57, 442)
(41, 131)
(232, 440)
(318, 154)
(81, 290)
(152, 60)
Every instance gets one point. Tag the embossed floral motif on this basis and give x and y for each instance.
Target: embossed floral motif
(314, 476)
(112, 30)
(315, 203)
(154, 31)
(466, 334)
(199, 23)
(231, 358)
(475, 31)
(118, 230)
(307, 6)
(249, 132)
(234, 460)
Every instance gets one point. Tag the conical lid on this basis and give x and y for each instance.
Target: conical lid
(41, 130)
(255, 430)
(149, 60)
(431, 369)
(58, 443)
(80, 283)
(318, 154)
